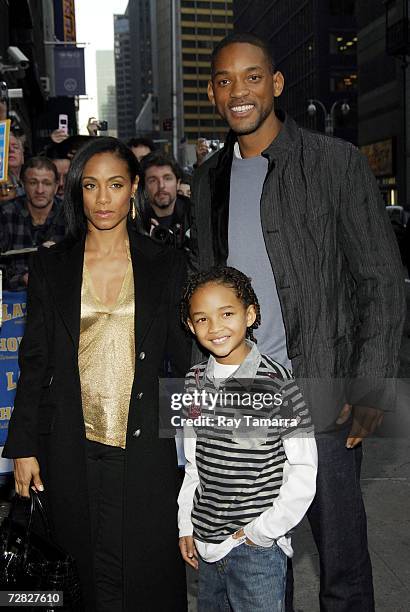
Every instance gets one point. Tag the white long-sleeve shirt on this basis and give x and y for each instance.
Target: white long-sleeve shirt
(292, 458)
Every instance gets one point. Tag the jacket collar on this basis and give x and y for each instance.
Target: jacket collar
(244, 375)
(21, 202)
(288, 137)
(65, 265)
(220, 176)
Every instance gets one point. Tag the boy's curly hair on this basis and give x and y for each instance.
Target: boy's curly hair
(223, 275)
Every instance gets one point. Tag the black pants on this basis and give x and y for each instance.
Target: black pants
(105, 467)
(338, 521)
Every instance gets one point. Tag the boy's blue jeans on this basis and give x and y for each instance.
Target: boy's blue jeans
(248, 579)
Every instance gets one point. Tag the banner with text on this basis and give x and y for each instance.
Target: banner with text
(13, 321)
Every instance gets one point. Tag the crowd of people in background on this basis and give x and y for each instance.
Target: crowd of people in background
(31, 199)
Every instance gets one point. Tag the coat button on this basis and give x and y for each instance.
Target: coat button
(141, 356)
(140, 395)
(137, 433)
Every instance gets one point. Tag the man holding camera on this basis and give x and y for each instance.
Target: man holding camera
(165, 215)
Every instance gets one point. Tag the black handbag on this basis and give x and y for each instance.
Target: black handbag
(30, 562)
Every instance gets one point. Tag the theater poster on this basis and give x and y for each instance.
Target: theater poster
(4, 149)
(11, 332)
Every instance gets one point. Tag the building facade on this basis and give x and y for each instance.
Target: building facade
(383, 109)
(135, 48)
(187, 31)
(31, 26)
(107, 107)
(203, 24)
(123, 77)
(314, 44)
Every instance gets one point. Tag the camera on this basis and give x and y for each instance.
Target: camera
(18, 58)
(164, 235)
(213, 145)
(4, 92)
(103, 126)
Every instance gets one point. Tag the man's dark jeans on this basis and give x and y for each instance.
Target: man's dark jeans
(338, 522)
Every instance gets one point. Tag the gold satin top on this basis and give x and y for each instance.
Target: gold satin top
(106, 359)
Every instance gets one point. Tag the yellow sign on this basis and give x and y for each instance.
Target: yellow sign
(69, 20)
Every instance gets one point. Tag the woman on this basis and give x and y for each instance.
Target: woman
(85, 427)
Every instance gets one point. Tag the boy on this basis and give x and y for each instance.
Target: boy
(251, 465)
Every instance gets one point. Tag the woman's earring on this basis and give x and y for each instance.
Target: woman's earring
(133, 208)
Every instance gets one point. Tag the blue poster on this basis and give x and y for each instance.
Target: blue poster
(13, 321)
(69, 71)
(4, 148)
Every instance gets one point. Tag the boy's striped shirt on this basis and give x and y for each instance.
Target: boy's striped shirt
(241, 470)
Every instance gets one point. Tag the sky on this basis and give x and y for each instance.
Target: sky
(94, 22)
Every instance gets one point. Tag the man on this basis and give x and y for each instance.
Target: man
(300, 213)
(32, 220)
(59, 158)
(184, 188)
(166, 216)
(141, 147)
(16, 160)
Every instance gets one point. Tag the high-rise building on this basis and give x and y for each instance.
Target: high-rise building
(202, 25)
(383, 108)
(197, 26)
(314, 45)
(107, 108)
(142, 21)
(123, 77)
(134, 66)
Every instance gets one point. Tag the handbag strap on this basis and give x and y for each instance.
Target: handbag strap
(37, 505)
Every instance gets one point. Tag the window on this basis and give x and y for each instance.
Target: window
(342, 7)
(343, 43)
(343, 81)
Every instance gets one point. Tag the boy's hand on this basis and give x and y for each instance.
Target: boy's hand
(188, 551)
(240, 534)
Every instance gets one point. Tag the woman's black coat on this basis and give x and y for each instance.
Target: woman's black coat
(47, 420)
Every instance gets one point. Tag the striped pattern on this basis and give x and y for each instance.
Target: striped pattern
(240, 471)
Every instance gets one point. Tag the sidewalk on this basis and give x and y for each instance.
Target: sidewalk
(386, 492)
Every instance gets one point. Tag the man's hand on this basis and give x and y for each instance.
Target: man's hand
(188, 551)
(92, 126)
(365, 421)
(25, 278)
(58, 136)
(26, 472)
(201, 150)
(240, 534)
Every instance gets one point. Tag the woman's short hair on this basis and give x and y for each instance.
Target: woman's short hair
(73, 193)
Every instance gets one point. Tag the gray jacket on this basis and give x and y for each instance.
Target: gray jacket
(332, 250)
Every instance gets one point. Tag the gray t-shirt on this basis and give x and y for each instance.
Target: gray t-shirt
(247, 252)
